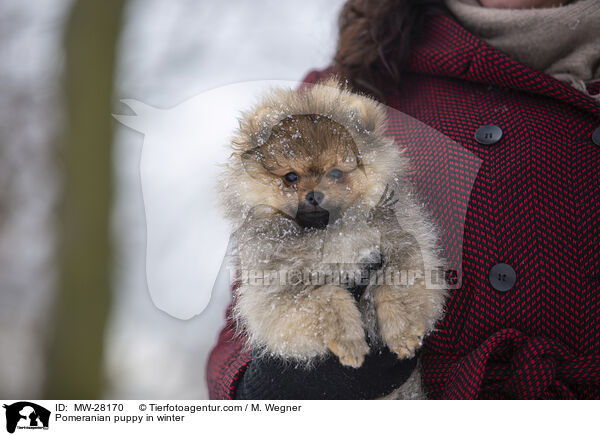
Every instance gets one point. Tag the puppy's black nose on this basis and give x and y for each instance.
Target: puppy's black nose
(315, 197)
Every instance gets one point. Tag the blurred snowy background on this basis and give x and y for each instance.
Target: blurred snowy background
(168, 52)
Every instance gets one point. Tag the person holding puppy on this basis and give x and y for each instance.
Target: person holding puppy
(514, 82)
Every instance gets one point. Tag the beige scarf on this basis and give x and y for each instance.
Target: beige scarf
(562, 41)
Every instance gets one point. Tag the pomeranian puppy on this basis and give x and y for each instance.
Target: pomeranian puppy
(319, 196)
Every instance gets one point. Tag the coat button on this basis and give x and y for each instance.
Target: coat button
(488, 134)
(502, 277)
(596, 137)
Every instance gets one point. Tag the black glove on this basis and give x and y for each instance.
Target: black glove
(271, 378)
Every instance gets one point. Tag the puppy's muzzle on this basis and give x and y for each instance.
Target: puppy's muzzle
(311, 213)
(314, 217)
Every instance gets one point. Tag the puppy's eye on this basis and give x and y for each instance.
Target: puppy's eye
(291, 177)
(335, 174)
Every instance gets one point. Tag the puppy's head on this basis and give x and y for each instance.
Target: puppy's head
(311, 155)
(309, 168)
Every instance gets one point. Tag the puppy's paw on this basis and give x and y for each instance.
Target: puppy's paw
(350, 352)
(402, 321)
(402, 327)
(405, 346)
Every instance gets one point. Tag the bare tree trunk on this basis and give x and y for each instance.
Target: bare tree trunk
(83, 296)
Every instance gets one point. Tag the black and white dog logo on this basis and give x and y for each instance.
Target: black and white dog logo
(26, 415)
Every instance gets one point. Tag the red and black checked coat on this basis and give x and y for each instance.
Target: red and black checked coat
(534, 205)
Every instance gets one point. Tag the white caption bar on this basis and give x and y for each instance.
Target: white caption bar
(148, 417)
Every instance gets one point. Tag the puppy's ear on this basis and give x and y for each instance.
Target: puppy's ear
(252, 162)
(258, 123)
(367, 113)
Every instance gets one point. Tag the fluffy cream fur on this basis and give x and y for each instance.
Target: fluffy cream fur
(304, 321)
